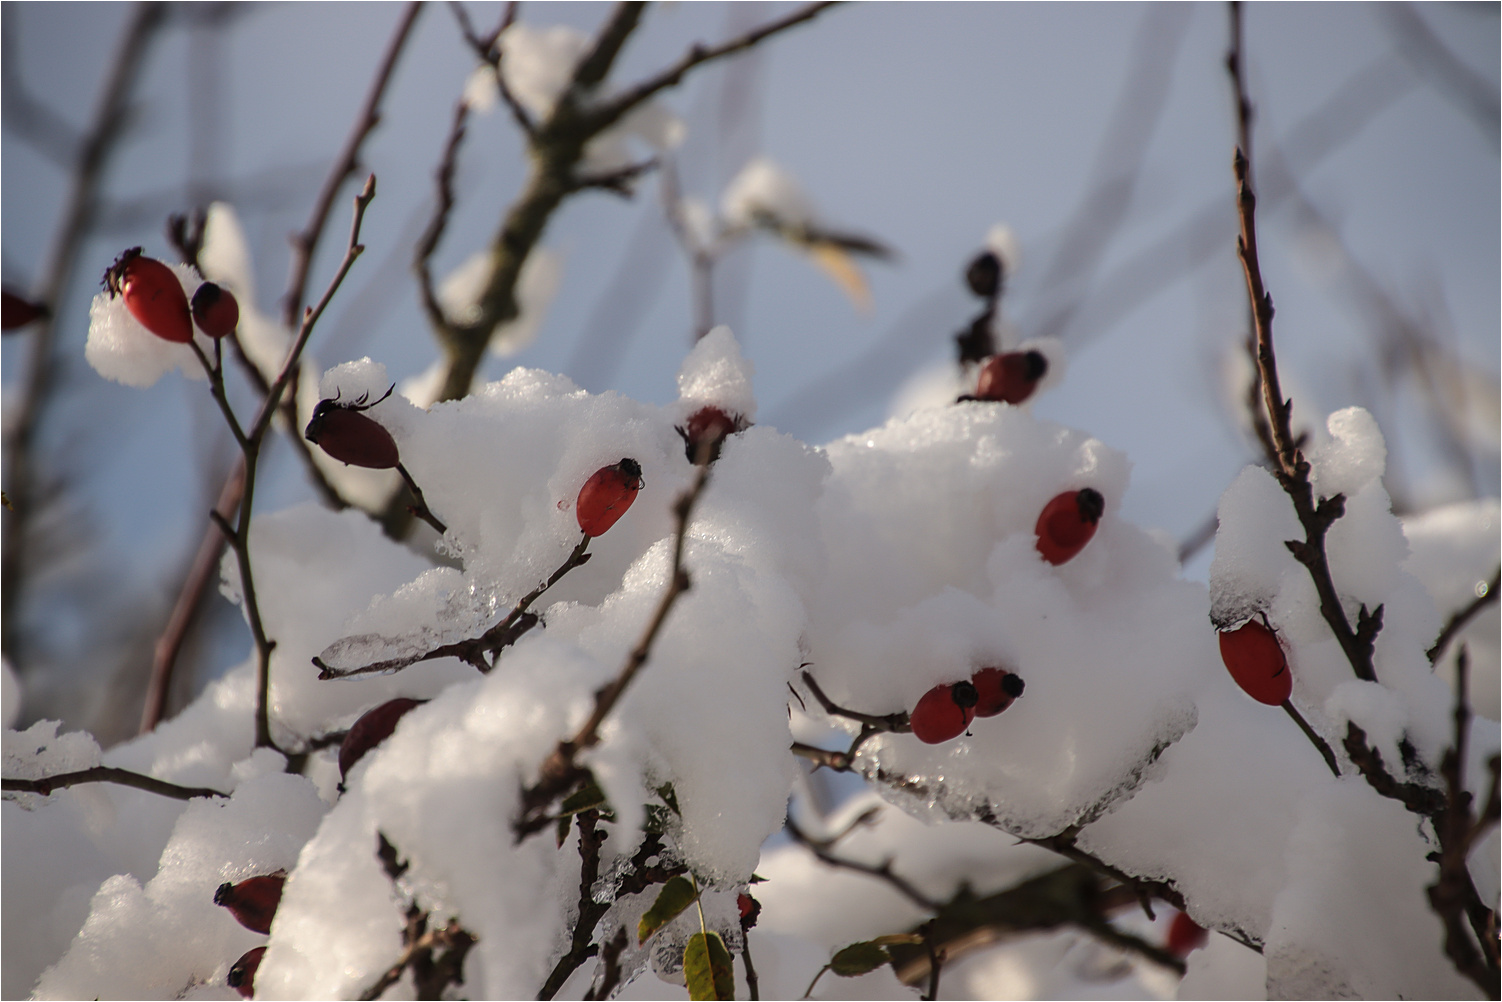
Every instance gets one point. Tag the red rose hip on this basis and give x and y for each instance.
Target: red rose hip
(152, 294)
(242, 975)
(1067, 523)
(375, 726)
(1012, 377)
(995, 690)
(709, 426)
(1185, 936)
(943, 713)
(215, 310)
(606, 495)
(1256, 661)
(342, 431)
(253, 900)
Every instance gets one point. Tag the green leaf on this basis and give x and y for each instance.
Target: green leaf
(669, 796)
(676, 895)
(582, 800)
(859, 958)
(707, 968)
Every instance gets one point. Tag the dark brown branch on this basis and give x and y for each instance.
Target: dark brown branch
(435, 956)
(896, 723)
(610, 967)
(884, 872)
(1453, 896)
(108, 774)
(475, 651)
(559, 772)
(203, 572)
(1292, 469)
(1419, 799)
(431, 236)
(616, 108)
(1458, 621)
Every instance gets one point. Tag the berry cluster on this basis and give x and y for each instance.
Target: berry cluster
(155, 297)
(945, 711)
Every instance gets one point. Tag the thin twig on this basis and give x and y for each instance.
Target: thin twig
(1458, 621)
(108, 774)
(559, 772)
(896, 723)
(474, 651)
(1292, 469)
(1313, 736)
(884, 872)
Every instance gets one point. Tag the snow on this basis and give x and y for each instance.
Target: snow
(882, 564)
(122, 350)
(764, 190)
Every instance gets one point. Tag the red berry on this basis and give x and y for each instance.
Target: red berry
(350, 437)
(242, 976)
(253, 900)
(749, 908)
(944, 712)
(153, 295)
(371, 729)
(215, 310)
(1067, 523)
(1185, 936)
(710, 426)
(1256, 661)
(605, 496)
(1011, 378)
(995, 689)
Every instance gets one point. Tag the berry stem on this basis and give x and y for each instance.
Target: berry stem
(420, 509)
(1313, 736)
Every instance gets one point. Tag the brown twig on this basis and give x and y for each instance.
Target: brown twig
(610, 967)
(1292, 469)
(1458, 621)
(480, 651)
(1313, 736)
(556, 147)
(1453, 896)
(203, 571)
(884, 872)
(435, 956)
(238, 536)
(559, 772)
(108, 774)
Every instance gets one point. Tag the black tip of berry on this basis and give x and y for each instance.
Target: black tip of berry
(205, 297)
(984, 275)
(1037, 365)
(222, 895)
(1092, 506)
(630, 468)
(964, 695)
(1012, 685)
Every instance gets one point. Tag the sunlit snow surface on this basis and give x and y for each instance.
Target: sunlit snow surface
(882, 565)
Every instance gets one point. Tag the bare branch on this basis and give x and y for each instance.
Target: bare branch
(1459, 620)
(560, 771)
(108, 774)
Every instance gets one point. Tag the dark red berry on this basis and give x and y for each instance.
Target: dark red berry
(985, 275)
(1185, 936)
(944, 712)
(350, 437)
(253, 900)
(749, 908)
(18, 311)
(995, 689)
(153, 295)
(709, 426)
(1067, 523)
(242, 976)
(1256, 661)
(371, 729)
(606, 495)
(215, 310)
(1011, 378)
